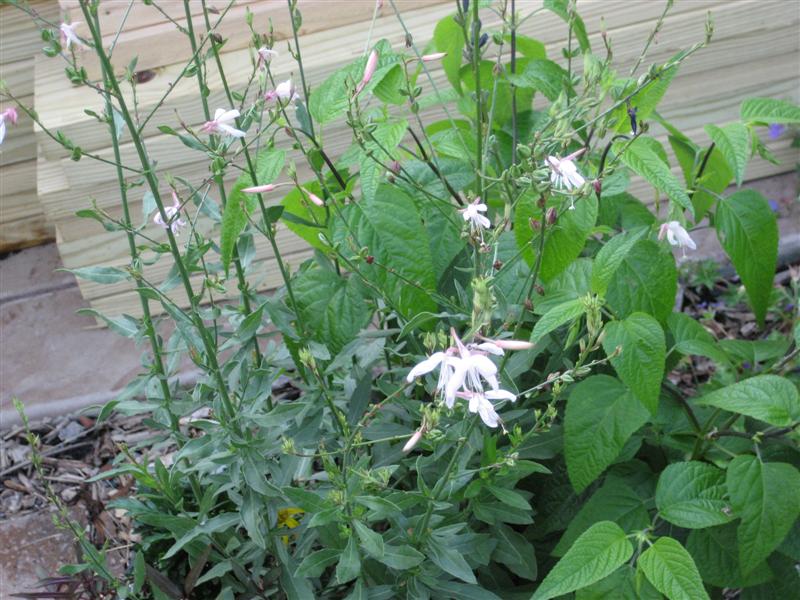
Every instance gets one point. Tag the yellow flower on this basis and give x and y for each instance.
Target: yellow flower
(286, 519)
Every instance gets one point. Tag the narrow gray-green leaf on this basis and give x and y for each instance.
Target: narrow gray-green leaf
(349, 565)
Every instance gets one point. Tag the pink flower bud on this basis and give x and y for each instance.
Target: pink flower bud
(598, 187)
(260, 189)
(11, 114)
(413, 441)
(433, 57)
(314, 198)
(552, 216)
(369, 71)
(510, 344)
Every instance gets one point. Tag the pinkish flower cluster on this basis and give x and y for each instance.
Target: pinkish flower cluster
(174, 223)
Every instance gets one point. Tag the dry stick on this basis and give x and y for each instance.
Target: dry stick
(152, 181)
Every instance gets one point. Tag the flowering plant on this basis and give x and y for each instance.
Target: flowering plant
(478, 351)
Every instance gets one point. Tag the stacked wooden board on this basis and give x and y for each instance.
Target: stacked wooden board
(22, 219)
(755, 52)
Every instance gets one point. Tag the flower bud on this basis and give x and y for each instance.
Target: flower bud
(413, 441)
(260, 189)
(369, 71)
(598, 187)
(433, 57)
(535, 224)
(552, 216)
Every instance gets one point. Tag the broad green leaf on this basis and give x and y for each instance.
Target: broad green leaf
(748, 231)
(623, 584)
(614, 501)
(769, 110)
(644, 160)
(645, 281)
(515, 552)
(333, 307)
(641, 363)
(561, 8)
(349, 565)
(563, 241)
(269, 164)
(234, 219)
(391, 229)
(691, 338)
(692, 495)
(768, 398)
(556, 317)
(645, 101)
(462, 591)
(733, 141)
(528, 47)
(542, 75)
(715, 552)
(449, 37)
(401, 557)
(371, 541)
(671, 570)
(315, 563)
(767, 498)
(598, 552)
(601, 415)
(99, 274)
(571, 284)
(449, 560)
(610, 257)
(304, 218)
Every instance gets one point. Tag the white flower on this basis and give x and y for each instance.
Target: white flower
(68, 35)
(284, 92)
(265, 56)
(446, 363)
(480, 403)
(676, 236)
(221, 123)
(472, 215)
(563, 172)
(173, 222)
(10, 115)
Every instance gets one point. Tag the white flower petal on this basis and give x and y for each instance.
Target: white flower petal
(426, 366)
(501, 395)
(491, 348)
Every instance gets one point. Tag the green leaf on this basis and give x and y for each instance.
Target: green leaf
(234, 219)
(556, 317)
(269, 164)
(767, 498)
(391, 228)
(769, 110)
(315, 563)
(748, 231)
(597, 553)
(692, 495)
(768, 398)
(641, 363)
(99, 274)
(349, 565)
(643, 157)
(645, 101)
(449, 37)
(601, 415)
(508, 497)
(371, 541)
(692, 338)
(610, 257)
(252, 512)
(542, 75)
(715, 552)
(733, 141)
(387, 137)
(671, 570)
(401, 557)
(304, 218)
(334, 307)
(515, 552)
(221, 522)
(645, 281)
(614, 501)
(124, 325)
(561, 8)
(567, 237)
(623, 584)
(449, 560)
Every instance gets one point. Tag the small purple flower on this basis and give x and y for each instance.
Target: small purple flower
(776, 130)
(773, 204)
(746, 365)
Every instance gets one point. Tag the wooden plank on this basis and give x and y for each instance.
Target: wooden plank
(19, 35)
(61, 106)
(162, 43)
(20, 142)
(18, 76)
(24, 233)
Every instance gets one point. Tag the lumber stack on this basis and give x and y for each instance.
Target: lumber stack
(22, 219)
(754, 53)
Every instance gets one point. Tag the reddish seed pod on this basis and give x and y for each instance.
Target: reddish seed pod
(535, 224)
(539, 289)
(498, 264)
(370, 259)
(541, 202)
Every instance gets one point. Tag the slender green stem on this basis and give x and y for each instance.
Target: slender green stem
(299, 57)
(476, 69)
